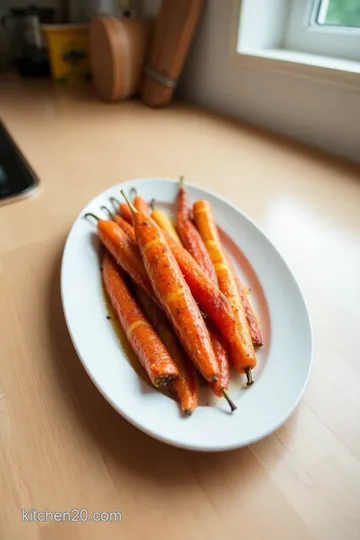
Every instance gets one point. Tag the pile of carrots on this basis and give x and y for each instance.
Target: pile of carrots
(177, 296)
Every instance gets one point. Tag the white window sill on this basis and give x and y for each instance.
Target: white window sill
(322, 68)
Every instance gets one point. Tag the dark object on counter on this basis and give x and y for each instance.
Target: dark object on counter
(29, 54)
(16, 177)
(174, 30)
(117, 55)
(64, 10)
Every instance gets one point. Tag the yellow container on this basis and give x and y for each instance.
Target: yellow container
(68, 50)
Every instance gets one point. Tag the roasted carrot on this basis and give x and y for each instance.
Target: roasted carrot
(174, 294)
(123, 224)
(143, 339)
(219, 345)
(164, 222)
(242, 354)
(124, 252)
(116, 204)
(140, 204)
(190, 237)
(255, 332)
(210, 299)
(124, 212)
(195, 245)
(217, 341)
(126, 227)
(185, 385)
(182, 202)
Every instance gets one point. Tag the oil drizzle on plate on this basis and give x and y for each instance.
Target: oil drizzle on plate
(125, 346)
(121, 336)
(205, 396)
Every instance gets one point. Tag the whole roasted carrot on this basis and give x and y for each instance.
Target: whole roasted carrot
(242, 354)
(255, 332)
(190, 237)
(143, 339)
(219, 345)
(217, 341)
(185, 385)
(140, 204)
(174, 294)
(209, 298)
(164, 222)
(195, 245)
(124, 252)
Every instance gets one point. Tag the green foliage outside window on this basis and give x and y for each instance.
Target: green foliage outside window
(343, 13)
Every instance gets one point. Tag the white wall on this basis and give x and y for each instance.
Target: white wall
(310, 111)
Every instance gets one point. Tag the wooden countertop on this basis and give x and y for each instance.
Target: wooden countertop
(62, 445)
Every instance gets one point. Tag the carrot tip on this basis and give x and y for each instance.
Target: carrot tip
(133, 192)
(152, 204)
(181, 181)
(250, 380)
(187, 412)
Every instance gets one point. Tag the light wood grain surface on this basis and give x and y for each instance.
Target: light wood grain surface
(62, 445)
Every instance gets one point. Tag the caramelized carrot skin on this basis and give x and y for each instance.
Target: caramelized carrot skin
(185, 385)
(143, 339)
(221, 354)
(251, 319)
(125, 254)
(164, 223)
(242, 353)
(209, 298)
(193, 242)
(191, 238)
(141, 205)
(125, 212)
(182, 201)
(126, 227)
(174, 295)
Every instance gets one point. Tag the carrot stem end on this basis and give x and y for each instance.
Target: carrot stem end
(131, 206)
(232, 405)
(248, 374)
(90, 214)
(115, 202)
(110, 214)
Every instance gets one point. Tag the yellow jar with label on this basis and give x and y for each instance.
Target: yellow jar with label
(68, 51)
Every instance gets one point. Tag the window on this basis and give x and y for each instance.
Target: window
(325, 27)
(302, 35)
(338, 13)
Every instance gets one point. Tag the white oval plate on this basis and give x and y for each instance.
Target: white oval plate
(284, 361)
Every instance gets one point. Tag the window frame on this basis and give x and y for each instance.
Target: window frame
(325, 69)
(304, 34)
